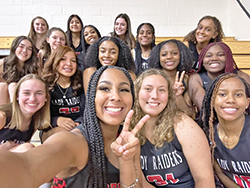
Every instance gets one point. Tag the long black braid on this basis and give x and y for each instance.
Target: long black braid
(208, 116)
(93, 132)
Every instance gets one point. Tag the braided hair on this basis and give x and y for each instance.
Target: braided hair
(208, 116)
(186, 58)
(92, 129)
(125, 58)
(230, 63)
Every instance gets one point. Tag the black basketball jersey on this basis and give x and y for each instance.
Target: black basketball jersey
(64, 103)
(16, 135)
(166, 166)
(235, 162)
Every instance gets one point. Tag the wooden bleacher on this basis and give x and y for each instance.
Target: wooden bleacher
(240, 49)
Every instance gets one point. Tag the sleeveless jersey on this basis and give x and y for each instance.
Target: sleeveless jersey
(70, 106)
(166, 166)
(16, 135)
(235, 162)
(206, 81)
(193, 50)
(141, 65)
(82, 178)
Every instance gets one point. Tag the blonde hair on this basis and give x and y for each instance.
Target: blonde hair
(41, 119)
(164, 129)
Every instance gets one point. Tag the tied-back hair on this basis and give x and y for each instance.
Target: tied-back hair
(125, 58)
(45, 44)
(92, 129)
(51, 75)
(218, 28)
(41, 119)
(11, 72)
(69, 32)
(86, 45)
(164, 129)
(186, 58)
(129, 37)
(32, 32)
(208, 116)
(230, 66)
(138, 53)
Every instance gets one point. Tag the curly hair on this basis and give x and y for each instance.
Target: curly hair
(218, 28)
(41, 119)
(125, 58)
(32, 32)
(129, 38)
(45, 44)
(186, 58)
(138, 52)
(163, 131)
(230, 66)
(11, 72)
(92, 129)
(208, 116)
(69, 32)
(51, 75)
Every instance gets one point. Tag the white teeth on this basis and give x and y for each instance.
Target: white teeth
(229, 109)
(32, 104)
(153, 104)
(114, 109)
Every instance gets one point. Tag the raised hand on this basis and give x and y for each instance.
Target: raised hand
(178, 87)
(126, 145)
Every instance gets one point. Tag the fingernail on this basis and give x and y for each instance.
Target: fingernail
(120, 149)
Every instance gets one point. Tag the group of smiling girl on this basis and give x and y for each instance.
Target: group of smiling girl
(97, 140)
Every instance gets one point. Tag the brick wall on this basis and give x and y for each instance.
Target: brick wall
(170, 17)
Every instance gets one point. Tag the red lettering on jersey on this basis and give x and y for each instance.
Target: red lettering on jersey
(75, 109)
(170, 177)
(113, 185)
(240, 180)
(157, 179)
(64, 111)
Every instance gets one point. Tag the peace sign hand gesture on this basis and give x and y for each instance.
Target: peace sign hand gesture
(178, 85)
(126, 145)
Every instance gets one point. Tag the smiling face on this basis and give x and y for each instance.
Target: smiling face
(153, 95)
(145, 36)
(120, 26)
(108, 53)
(231, 100)
(90, 35)
(75, 25)
(31, 97)
(113, 97)
(24, 50)
(67, 65)
(169, 56)
(57, 38)
(40, 26)
(205, 31)
(214, 60)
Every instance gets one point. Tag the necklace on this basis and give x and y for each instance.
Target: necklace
(231, 143)
(64, 94)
